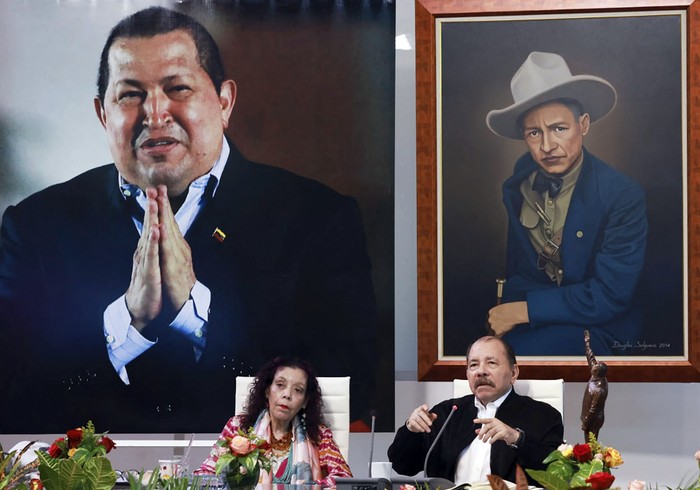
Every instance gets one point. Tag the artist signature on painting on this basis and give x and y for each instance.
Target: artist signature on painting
(639, 345)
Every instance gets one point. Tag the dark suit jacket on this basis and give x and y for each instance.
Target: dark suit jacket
(291, 277)
(541, 422)
(602, 253)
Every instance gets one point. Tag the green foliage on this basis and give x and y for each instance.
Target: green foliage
(136, 480)
(548, 480)
(68, 474)
(155, 482)
(12, 473)
(585, 470)
(555, 455)
(561, 469)
(242, 457)
(567, 467)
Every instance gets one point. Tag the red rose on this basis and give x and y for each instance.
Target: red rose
(600, 480)
(74, 437)
(55, 450)
(107, 443)
(583, 453)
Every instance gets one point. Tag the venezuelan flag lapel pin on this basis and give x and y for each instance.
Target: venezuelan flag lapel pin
(219, 235)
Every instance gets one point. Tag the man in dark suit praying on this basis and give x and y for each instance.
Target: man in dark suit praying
(133, 294)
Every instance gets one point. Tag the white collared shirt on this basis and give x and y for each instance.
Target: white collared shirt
(474, 463)
(124, 342)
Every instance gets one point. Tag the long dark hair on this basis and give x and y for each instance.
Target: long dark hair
(257, 399)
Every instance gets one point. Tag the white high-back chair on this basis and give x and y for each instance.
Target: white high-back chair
(545, 390)
(335, 392)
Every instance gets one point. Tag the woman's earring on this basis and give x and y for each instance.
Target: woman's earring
(303, 419)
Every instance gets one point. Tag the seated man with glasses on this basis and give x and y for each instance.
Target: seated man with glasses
(577, 228)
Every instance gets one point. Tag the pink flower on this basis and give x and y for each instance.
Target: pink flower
(697, 456)
(637, 485)
(240, 446)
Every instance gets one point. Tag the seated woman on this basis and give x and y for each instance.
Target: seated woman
(284, 407)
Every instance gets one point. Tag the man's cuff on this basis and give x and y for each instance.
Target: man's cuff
(124, 342)
(191, 320)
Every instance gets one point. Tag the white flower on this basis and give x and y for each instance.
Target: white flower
(243, 470)
(219, 451)
(637, 485)
(564, 447)
(598, 456)
(697, 456)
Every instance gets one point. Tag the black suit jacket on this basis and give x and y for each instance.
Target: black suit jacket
(291, 277)
(541, 422)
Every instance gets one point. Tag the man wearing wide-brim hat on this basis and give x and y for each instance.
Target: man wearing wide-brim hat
(577, 228)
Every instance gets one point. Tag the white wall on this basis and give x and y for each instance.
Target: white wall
(655, 426)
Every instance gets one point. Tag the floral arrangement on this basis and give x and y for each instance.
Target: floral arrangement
(78, 460)
(241, 457)
(582, 465)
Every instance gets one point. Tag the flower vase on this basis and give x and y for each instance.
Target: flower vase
(237, 481)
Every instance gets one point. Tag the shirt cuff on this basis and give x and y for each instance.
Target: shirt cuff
(124, 342)
(191, 320)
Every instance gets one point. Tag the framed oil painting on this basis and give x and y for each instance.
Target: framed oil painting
(645, 53)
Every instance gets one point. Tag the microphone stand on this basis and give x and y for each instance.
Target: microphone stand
(437, 437)
(371, 446)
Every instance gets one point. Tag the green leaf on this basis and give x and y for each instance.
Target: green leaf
(554, 456)
(71, 476)
(250, 460)
(48, 469)
(547, 480)
(223, 461)
(585, 471)
(100, 474)
(81, 455)
(562, 469)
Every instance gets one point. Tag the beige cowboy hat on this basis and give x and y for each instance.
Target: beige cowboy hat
(544, 77)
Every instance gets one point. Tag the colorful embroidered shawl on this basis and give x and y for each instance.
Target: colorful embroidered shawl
(305, 465)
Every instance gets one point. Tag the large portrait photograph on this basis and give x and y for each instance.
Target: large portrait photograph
(560, 181)
(190, 190)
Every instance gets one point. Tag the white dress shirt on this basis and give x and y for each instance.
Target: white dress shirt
(124, 342)
(474, 462)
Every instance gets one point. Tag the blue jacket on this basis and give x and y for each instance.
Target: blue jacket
(602, 254)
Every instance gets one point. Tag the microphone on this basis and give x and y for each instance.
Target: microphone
(437, 437)
(373, 414)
